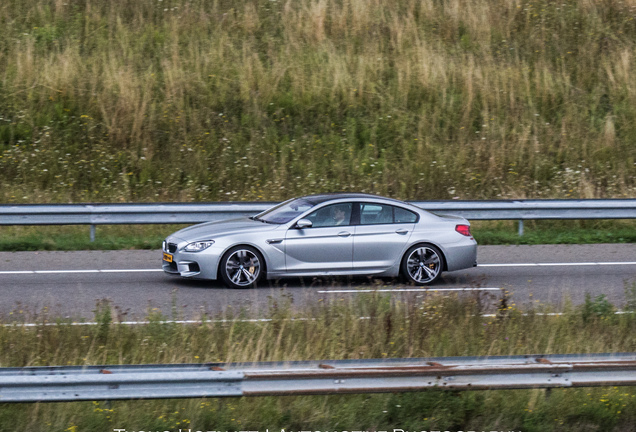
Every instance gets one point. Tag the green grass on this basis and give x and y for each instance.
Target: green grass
(188, 100)
(416, 326)
(554, 232)
(66, 238)
(117, 237)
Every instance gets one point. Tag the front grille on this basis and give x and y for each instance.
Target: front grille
(172, 248)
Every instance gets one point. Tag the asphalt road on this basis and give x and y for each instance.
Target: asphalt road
(69, 284)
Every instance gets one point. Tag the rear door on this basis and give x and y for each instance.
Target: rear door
(381, 236)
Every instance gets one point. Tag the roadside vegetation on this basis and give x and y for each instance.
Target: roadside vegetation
(417, 326)
(187, 100)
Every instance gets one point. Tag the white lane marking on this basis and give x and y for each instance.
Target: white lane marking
(222, 321)
(131, 271)
(92, 323)
(405, 290)
(559, 264)
(615, 263)
(16, 272)
(64, 271)
(143, 322)
(620, 312)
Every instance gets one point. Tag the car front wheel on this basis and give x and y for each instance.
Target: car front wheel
(422, 264)
(242, 267)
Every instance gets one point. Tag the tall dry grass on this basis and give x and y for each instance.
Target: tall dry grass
(236, 100)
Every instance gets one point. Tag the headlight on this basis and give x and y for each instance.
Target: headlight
(198, 246)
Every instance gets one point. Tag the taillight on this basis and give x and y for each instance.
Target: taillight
(463, 230)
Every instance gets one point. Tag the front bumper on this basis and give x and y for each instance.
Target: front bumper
(195, 265)
(182, 268)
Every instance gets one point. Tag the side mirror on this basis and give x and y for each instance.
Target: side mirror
(304, 223)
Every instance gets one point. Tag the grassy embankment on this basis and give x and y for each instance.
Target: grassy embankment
(179, 100)
(414, 327)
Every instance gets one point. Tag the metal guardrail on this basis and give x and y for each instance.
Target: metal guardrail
(187, 213)
(117, 382)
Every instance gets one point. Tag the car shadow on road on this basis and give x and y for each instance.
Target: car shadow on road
(455, 279)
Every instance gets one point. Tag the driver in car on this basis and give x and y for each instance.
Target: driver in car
(338, 216)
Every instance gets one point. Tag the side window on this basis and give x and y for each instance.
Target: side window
(332, 215)
(404, 216)
(371, 214)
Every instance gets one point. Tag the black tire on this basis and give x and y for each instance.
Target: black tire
(422, 264)
(242, 267)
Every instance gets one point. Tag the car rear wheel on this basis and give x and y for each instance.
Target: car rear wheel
(422, 264)
(242, 267)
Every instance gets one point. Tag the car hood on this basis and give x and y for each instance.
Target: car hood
(210, 230)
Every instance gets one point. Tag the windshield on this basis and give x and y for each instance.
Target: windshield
(283, 213)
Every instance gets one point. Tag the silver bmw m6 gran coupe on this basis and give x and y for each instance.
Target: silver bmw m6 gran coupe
(324, 235)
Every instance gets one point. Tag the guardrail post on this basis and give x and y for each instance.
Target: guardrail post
(520, 227)
(92, 233)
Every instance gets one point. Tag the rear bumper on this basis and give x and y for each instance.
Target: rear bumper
(461, 256)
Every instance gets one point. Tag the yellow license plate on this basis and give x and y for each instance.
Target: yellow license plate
(167, 257)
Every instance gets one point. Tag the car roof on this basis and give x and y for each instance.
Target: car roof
(320, 198)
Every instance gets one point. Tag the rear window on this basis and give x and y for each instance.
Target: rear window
(404, 216)
(374, 214)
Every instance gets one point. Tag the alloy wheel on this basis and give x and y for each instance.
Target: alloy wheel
(423, 265)
(242, 267)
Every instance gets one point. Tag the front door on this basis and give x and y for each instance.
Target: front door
(324, 248)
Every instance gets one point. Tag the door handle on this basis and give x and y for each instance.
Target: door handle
(344, 234)
(402, 231)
